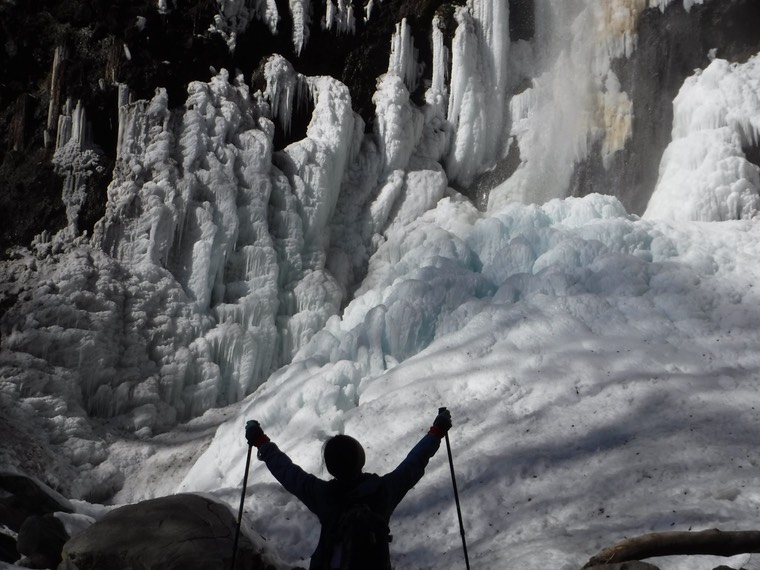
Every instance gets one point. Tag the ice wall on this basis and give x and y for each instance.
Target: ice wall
(218, 259)
(197, 193)
(208, 270)
(704, 173)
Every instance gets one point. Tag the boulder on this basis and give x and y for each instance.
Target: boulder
(182, 532)
(8, 551)
(40, 541)
(22, 497)
(630, 565)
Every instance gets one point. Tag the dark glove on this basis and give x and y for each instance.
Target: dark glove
(442, 423)
(254, 434)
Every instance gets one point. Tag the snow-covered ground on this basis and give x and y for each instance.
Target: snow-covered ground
(606, 386)
(602, 370)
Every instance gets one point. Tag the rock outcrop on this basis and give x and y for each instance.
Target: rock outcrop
(184, 531)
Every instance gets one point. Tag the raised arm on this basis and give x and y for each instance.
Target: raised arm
(304, 486)
(412, 468)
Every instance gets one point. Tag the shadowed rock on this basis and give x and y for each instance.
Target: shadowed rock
(22, 497)
(41, 541)
(184, 531)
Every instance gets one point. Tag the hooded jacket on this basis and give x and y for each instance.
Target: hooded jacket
(324, 498)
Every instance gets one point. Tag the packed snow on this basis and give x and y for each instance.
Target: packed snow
(601, 369)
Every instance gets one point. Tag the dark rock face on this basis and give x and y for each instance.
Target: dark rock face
(182, 532)
(8, 551)
(27, 507)
(670, 47)
(101, 44)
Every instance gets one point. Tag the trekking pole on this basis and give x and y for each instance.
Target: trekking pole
(242, 502)
(456, 497)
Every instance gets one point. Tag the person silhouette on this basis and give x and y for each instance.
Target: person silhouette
(370, 498)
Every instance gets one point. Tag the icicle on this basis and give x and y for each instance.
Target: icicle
(340, 17)
(368, 10)
(285, 88)
(403, 58)
(437, 95)
(59, 58)
(300, 11)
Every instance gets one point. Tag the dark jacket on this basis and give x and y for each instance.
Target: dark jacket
(324, 497)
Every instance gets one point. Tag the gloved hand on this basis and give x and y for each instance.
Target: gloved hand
(442, 423)
(254, 434)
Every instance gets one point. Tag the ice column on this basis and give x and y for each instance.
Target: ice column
(477, 102)
(398, 122)
(76, 159)
(191, 195)
(403, 58)
(437, 95)
(314, 168)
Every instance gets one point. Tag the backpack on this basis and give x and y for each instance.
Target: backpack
(359, 540)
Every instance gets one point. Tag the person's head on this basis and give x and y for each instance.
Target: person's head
(344, 457)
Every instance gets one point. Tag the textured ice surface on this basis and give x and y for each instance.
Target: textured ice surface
(704, 174)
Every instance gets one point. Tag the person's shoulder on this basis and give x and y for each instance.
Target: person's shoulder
(366, 484)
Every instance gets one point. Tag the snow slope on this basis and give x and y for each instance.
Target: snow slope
(601, 371)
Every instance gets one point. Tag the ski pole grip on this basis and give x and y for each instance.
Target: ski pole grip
(441, 410)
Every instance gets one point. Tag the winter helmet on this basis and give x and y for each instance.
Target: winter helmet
(344, 457)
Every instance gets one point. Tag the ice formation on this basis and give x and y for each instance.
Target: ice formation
(340, 17)
(436, 95)
(704, 173)
(403, 58)
(244, 239)
(478, 89)
(300, 12)
(76, 159)
(234, 16)
(223, 268)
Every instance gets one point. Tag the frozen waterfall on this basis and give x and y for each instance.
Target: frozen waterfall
(224, 267)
